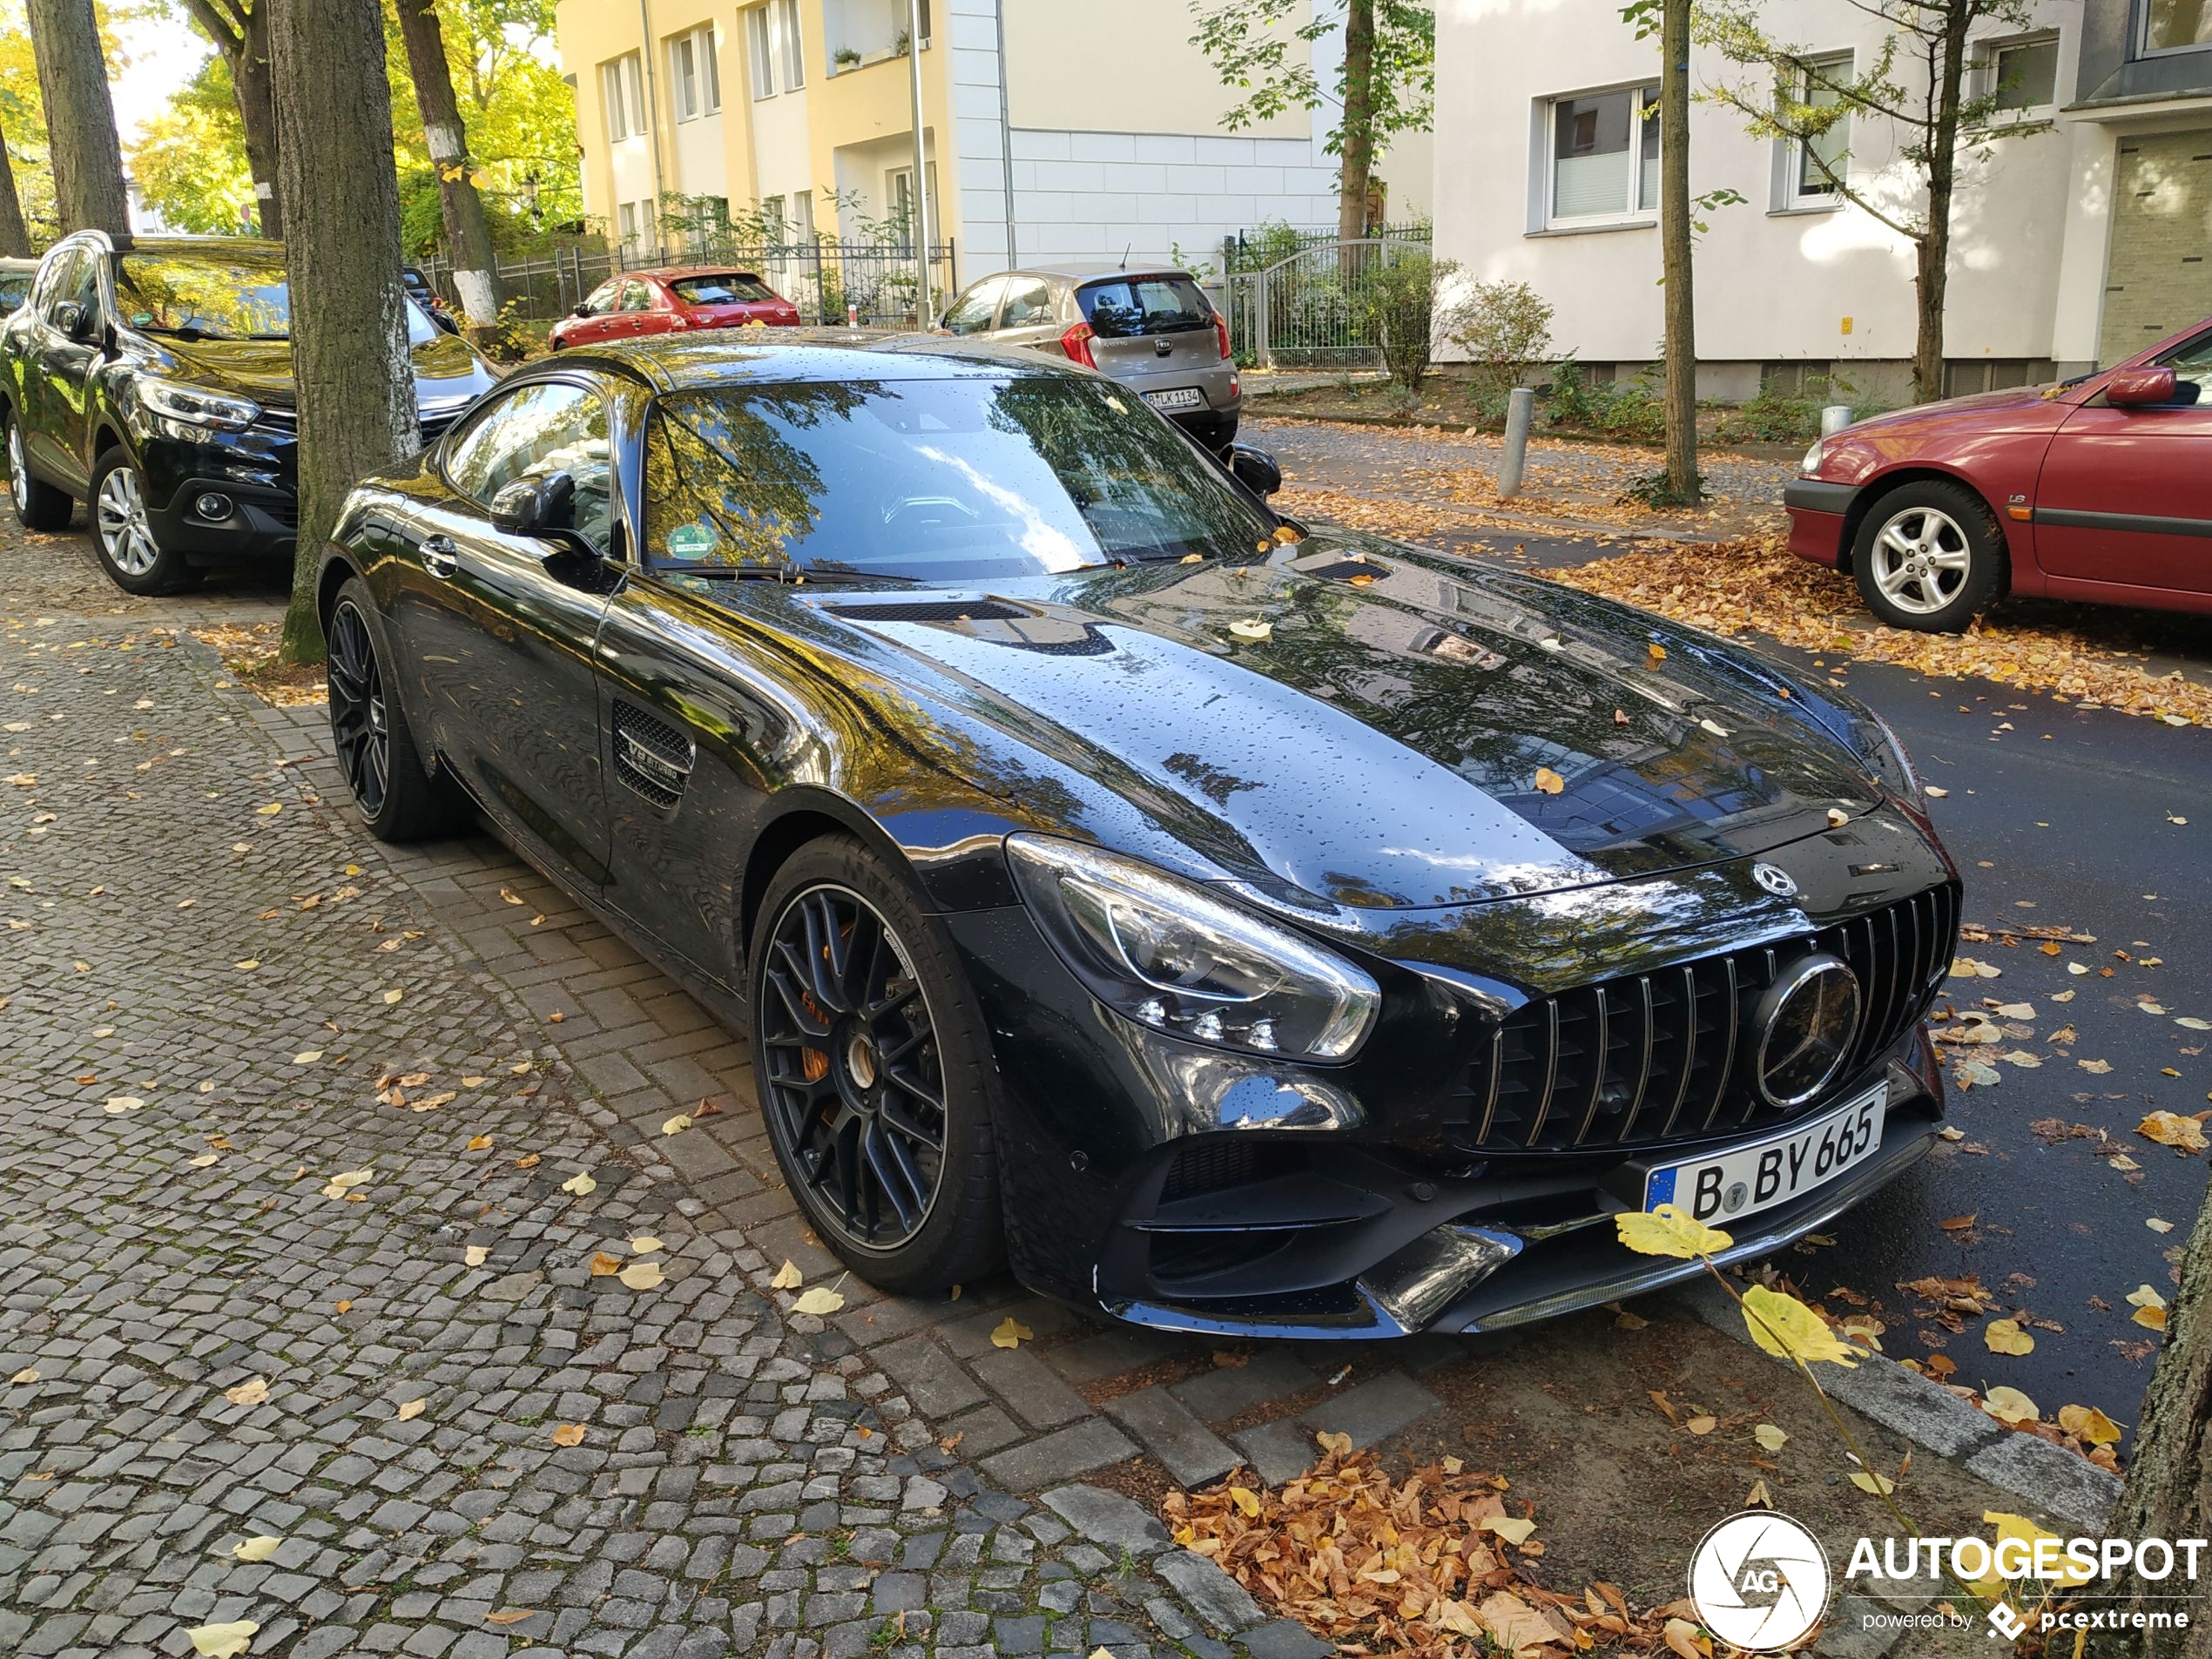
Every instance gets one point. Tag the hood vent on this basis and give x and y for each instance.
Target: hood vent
(930, 610)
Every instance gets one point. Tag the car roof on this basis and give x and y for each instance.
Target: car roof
(678, 273)
(690, 362)
(217, 245)
(1091, 271)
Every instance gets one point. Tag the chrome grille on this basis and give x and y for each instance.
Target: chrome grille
(1645, 1060)
(652, 756)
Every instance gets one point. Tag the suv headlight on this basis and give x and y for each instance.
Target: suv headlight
(1169, 955)
(174, 400)
(1810, 466)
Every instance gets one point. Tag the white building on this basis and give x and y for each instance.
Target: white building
(1544, 175)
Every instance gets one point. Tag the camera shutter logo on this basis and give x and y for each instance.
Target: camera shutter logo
(1759, 1581)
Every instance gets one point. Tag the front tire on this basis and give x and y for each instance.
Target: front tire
(874, 1072)
(397, 798)
(123, 535)
(1929, 558)
(38, 506)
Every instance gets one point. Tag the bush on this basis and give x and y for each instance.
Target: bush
(1506, 330)
(1400, 296)
(1618, 409)
(1775, 416)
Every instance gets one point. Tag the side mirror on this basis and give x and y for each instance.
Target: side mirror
(1255, 469)
(2138, 389)
(72, 320)
(582, 308)
(534, 507)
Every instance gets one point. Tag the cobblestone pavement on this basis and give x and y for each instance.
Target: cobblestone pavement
(245, 1297)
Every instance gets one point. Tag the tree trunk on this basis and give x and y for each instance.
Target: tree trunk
(467, 236)
(1932, 274)
(240, 31)
(1674, 241)
(2168, 1492)
(80, 121)
(15, 235)
(355, 384)
(1358, 145)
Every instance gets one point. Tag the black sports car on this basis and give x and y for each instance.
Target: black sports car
(1241, 927)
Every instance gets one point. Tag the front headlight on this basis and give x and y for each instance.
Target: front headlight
(1169, 955)
(1810, 466)
(174, 400)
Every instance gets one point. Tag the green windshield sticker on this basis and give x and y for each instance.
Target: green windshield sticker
(690, 541)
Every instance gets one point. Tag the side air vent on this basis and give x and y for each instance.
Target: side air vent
(930, 610)
(652, 756)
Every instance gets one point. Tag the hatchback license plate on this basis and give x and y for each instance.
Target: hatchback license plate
(1746, 1179)
(1184, 397)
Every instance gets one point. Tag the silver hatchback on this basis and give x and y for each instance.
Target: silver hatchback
(1153, 329)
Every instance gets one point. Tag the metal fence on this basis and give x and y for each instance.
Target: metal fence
(1314, 309)
(828, 280)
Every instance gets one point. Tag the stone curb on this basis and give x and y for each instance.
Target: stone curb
(1930, 1415)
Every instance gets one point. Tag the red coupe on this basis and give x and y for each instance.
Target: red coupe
(660, 302)
(2099, 487)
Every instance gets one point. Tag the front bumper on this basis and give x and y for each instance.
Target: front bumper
(1177, 1187)
(262, 523)
(1818, 512)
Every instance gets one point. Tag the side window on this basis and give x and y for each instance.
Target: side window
(76, 279)
(604, 298)
(971, 313)
(534, 433)
(1029, 303)
(2192, 367)
(636, 296)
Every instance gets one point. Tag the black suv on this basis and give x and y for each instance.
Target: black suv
(153, 380)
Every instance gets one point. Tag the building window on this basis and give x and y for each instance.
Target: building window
(1817, 162)
(759, 52)
(622, 84)
(2020, 73)
(793, 54)
(1605, 154)
(694, 85)
(802, 215)
(2176, 25)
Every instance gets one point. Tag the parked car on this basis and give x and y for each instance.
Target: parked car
(1246, 931)
(431, 303)
(2097, 489)
(152, 378)
(14, 282)
(666, 301)
(1152, 328)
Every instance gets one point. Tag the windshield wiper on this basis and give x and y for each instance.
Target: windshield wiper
(814, 575)
(187, 331)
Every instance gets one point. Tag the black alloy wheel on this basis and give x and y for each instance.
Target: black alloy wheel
(359, 722)
(854, 1083)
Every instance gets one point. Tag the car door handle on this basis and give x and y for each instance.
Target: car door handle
(440, 556)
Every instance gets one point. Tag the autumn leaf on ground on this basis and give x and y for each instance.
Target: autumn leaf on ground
(2150, 1306)
(788, 1278)
(1769, 1438)
(511, 896)
(255, 1391)
(2005, 1336)
(222, 1641)
(2098, 1067)
(644, 1276)
(1245, 1500)
(1514, 1529)
(26, 1375)
(1967, 967)
(677, 1124)
(1880, 1484)
(644, 1245)
(478, 1143)
(2010, 1407)
(1010, 1333)
(1669, 1231)
(409, 1410)
(257, 1549)
(2171, 1129)
(122, 1103)
(477, 1255)
(1701, 1426)
(1337, 1442)
(307, 1056)
(821, 1301)
(510, 1616)
(603, 1265)
(2087, 1423)
(581, 1184)
(568, 1434)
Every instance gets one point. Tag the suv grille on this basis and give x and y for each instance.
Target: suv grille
(1635, 1061)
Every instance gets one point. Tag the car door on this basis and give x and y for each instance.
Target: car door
(635, 316)
(1029, 314)
(64, 345)
(499, 630)
(2125, 495)
(976, 309)
(590, 325)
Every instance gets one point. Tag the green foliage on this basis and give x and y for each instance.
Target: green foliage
(1398, 298)
(22, 119)
(1775, 417)
(1505, 328)
(1618, 409)
(1249, 42)
(190, 159)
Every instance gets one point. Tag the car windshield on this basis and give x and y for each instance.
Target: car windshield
(729, 288)
(939, 481)
(218, 296)
(1152, 305)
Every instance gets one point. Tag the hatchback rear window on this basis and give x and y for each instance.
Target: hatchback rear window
(732, 288)
(1129, 306)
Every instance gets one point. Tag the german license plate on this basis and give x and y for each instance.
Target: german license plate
(1746, 1179)
(1183, 397)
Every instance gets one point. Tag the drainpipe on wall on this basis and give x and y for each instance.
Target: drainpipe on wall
(1006, 139)
(652, 117)
(924, 312)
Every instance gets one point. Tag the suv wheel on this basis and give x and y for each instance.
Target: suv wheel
(136, 563)
(38, 506)
(1929, 558)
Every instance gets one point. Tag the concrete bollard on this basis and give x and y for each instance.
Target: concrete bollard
(1520, 412)
(1834, 417)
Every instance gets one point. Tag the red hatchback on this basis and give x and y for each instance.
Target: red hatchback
(660, 302)
(2097, 489)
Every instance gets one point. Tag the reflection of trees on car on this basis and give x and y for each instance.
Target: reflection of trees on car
(223, 298)
(724, 483)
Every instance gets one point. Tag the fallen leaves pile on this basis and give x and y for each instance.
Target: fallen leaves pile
(1757, 585)
(1430, 1566)
(250, 652)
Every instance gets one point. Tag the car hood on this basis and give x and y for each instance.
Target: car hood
(1408, 732)
(445, 367)
(2015, 409)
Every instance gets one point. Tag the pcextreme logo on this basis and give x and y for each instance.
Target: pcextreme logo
(1759, 1581)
